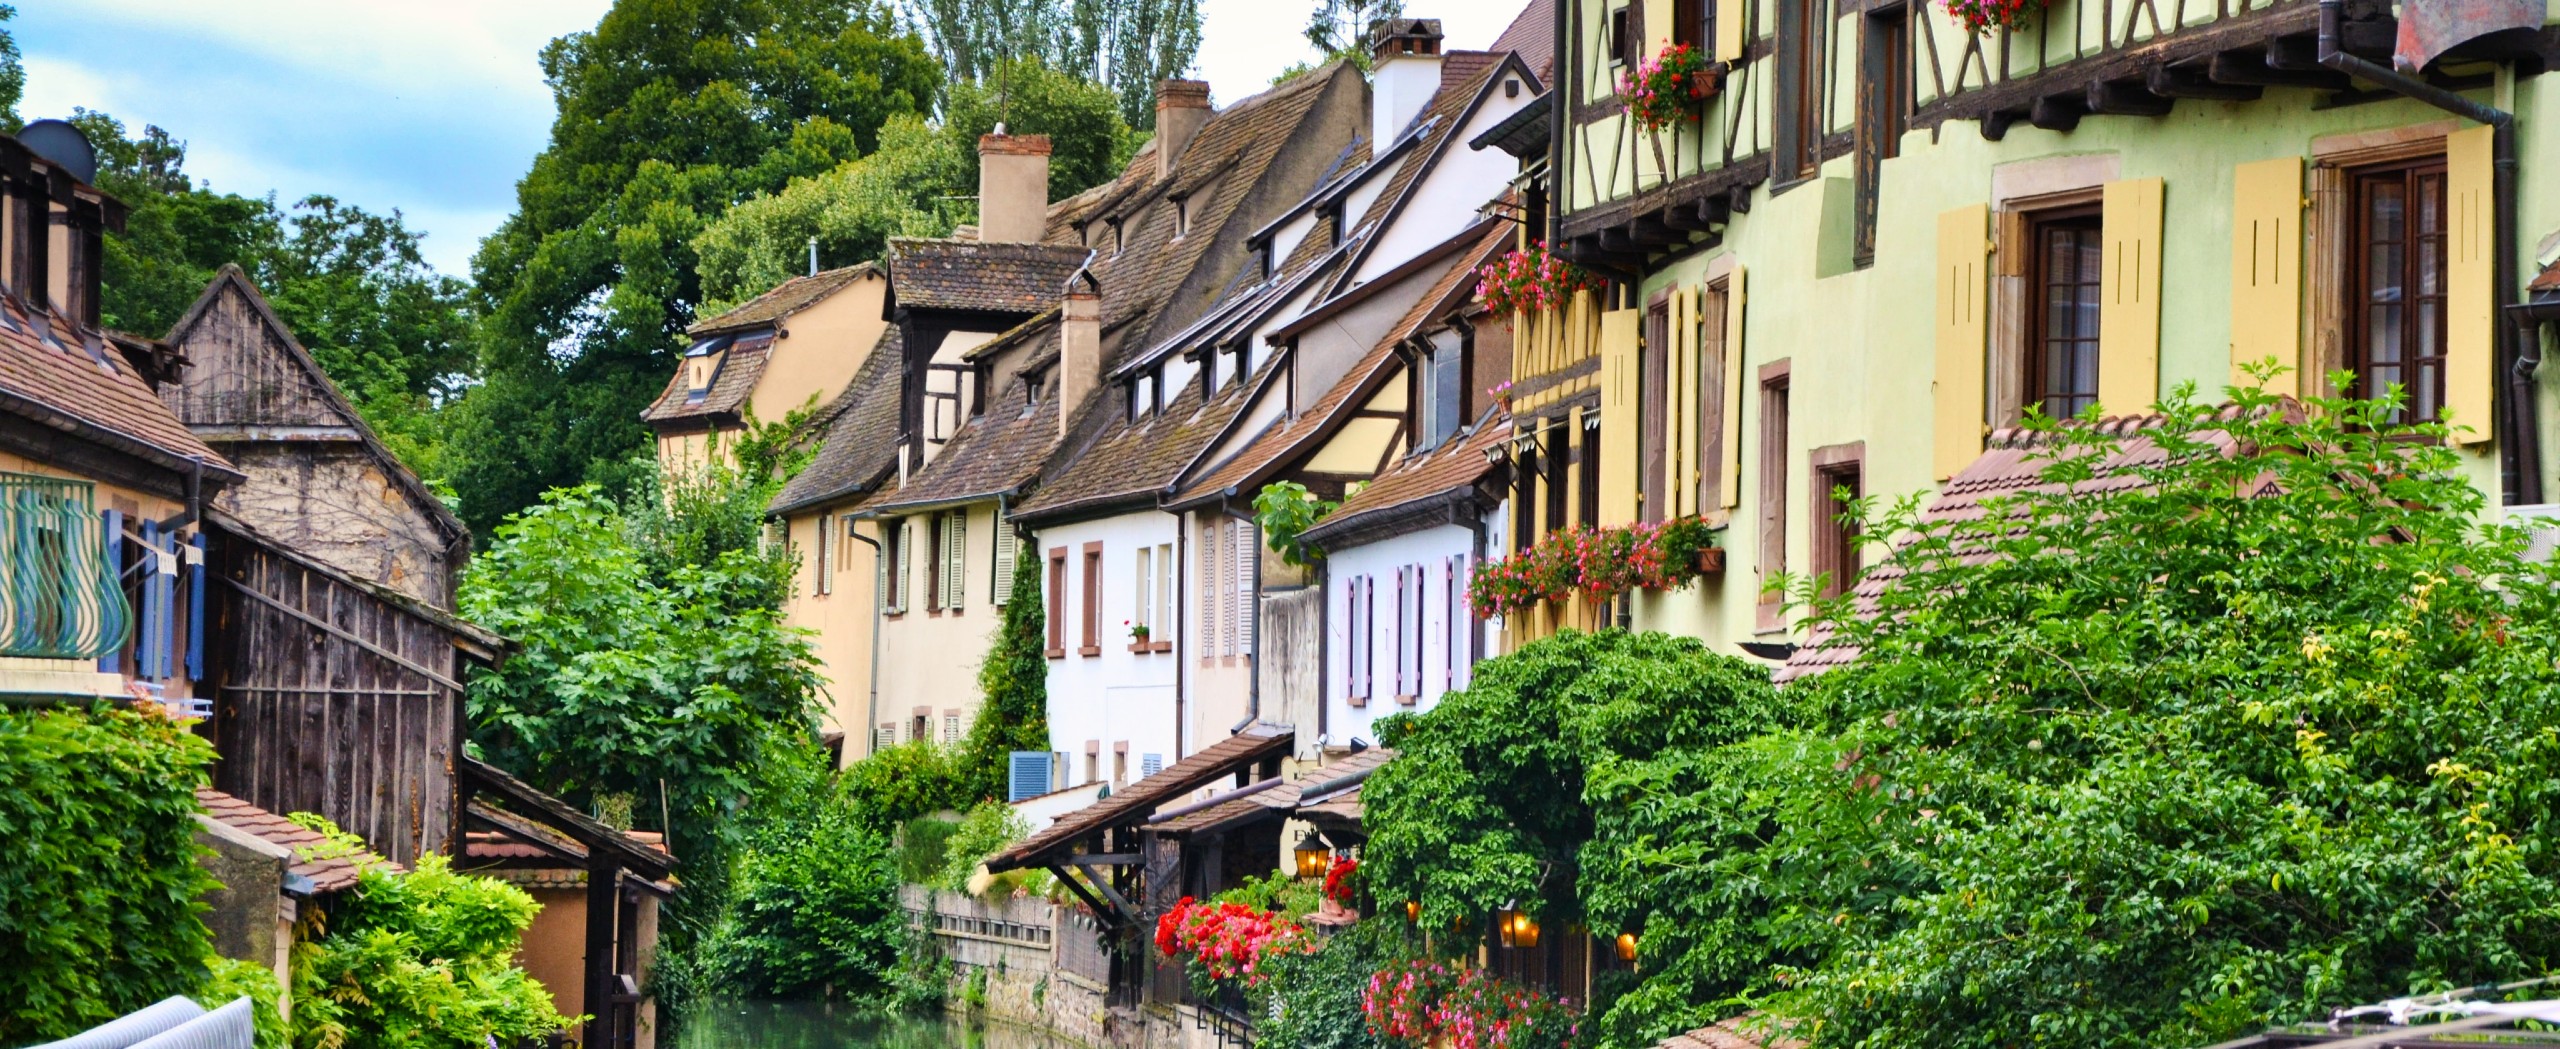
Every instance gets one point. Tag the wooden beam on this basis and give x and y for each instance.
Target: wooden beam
(601, 910)
(2191, 82)
(1617, 241)
(1739, 197)
(2118, 98)
(1716, 209)
(1103, 859)
(1654, 233)
(2057, 113)
(1996, 123)
(1686, 219)
(2249, 68)
(1101, 909)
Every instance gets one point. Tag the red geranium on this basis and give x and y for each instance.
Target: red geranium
(1530, 280)
(1659, 91)
(1228, 941)
(1337, 881)
(1981, 16)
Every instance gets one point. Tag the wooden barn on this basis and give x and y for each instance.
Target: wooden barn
(319, 479)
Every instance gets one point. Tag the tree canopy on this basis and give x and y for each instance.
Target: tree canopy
(1126, 45)
(669, 111)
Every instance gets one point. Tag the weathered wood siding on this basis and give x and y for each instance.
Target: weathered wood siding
(240, 374)
(310, 720)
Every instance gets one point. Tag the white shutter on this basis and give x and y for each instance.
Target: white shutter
(1150, 764)
(1008, 556)
(1248, 553)
(906, 559)
(880, 566)
(955, 560)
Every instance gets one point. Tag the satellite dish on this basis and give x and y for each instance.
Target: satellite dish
(63, 145)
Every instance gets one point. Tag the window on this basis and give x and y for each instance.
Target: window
(1396, 632)
(1884, 102)
(953, 571)
(2062, 292)
(951, 727)
(1092, 584)
(1092, 762)
(1150, 764)
(1360, 615)
(1801, 25)
(1116, 240)
(1693, 22)
(844, 548)
(1409, 636)
(1120, 765)
(1524, 496)
(893, 565)
(1708, 373)
(1626, 36)
(1440, 398)
(1461, 623)
(918, 730)
(1836, 470)
(822, 566)
(1589, 482)
(2395, 314)
(1653, 398)
(1248, 558)
(1556, 453)
(936, 534)
(1773, 488)
(1057, 598)
(1181, 216)
(1143, 597)
(1205, 583)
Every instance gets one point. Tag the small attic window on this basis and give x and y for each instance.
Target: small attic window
(1181, 216)
(1116, 241)
(702, 366)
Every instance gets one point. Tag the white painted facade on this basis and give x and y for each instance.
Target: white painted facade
(1398, 632)
(1112, 710)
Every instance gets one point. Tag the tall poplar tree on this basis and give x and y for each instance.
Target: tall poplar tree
(1128, 45)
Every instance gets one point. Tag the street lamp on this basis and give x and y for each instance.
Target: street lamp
(1314, 856)
(1627, 947)
(1516, 927)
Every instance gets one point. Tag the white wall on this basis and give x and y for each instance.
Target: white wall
(1115, 696)
(1433, 549)
(1446, 198)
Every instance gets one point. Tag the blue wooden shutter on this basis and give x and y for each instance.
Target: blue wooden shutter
(195, 608)
(1028, 776)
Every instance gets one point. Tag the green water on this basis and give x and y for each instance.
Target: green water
(805, 1025)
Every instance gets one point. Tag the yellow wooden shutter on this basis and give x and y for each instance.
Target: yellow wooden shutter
(2470, 284)
(1620, 428)
(2266, 269)
(1732, 18)
(1731, 413)
(1679, 413)
(1963, 335)
(2129, 297)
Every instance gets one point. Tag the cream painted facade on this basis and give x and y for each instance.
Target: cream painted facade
(815, 351)
(835, 598)
(931, 651)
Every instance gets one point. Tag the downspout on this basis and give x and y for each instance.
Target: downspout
(871, 720)
(195, 499)
(2524, 481)
(1559, 114)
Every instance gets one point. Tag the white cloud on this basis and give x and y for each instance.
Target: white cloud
(448, 45)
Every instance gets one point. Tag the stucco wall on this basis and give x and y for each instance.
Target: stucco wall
(929, 660)
(1117, 698)
(819, 348)
(332, 502)
(1433, 549)
(841, 618)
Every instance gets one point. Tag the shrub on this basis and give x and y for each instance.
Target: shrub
(902, 783)
(814, 912)
(986, 830)
(1014, 688)
(422, 959)
(229, 980)
(98, 873)
(924, 844)
(1312, 999)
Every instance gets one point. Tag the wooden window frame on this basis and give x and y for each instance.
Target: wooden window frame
(1802, 64)
(2012, 304)
(1713, 312)
(1693, 22)
(1057, 601)
(2326, 272)
(2355, 319)
(1092, 603)
(1886, 90)
(1525, 496)
(1160, 637)
(1776, 387)
(1834, 546)
(2035, 377)
(893, 545)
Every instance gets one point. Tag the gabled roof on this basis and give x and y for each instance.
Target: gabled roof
(970, 275)
(72, 380)
(742, 364)
(1304, 433)
(861, 425)
(999, 450)
(787, 298)
(1412, 484)
(330, 869)
(1259, 742)
(1532, 36)
(1437, 128)
(1124, 461)
(230, 279)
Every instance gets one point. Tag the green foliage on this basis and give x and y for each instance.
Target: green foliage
(13, 75)
(924, 845)
(1013, 685)
(1129, 45)
(668, 112)
(1082, 118)
(815, 911)
(98, 882)
(1277, 891)
(902, 189)
(1339, 31)
(989, 827)
(901, 783)
(1484, 804)
(1285, 510)
(228, 981)
(423, 959)
(1311, 1000)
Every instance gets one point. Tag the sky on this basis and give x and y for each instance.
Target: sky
(434, 107)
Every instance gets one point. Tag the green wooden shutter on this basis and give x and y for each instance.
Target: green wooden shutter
(1008, 553)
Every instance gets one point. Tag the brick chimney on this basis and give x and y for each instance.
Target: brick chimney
(1013, 187)
(1404, 74)
(1079, 345)
(1182, 109)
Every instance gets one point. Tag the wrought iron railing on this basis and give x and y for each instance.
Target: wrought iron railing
(59, 596)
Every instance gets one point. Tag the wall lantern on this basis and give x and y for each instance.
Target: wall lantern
(1627, 947)
(1314, 856)
(1413, 911)
(1517, 928)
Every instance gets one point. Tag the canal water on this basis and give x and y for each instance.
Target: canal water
(809, 1025)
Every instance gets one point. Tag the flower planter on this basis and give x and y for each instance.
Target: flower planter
(1711, 560)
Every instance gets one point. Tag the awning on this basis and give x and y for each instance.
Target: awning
(1262, 742)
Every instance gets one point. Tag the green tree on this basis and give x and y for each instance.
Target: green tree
(1128, 45)
(903, 189)
(669, 111)
(1091, 139)
(1013, 685)
(816, 912)
(421, 959)
(13, 75)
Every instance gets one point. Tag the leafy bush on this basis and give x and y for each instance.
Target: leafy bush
(422, 959)
(924, 843)
(904, 782)
(229, 980)
(815, 912)
(1285, 510)
(1312, 999)
(98, 876)
(988, 828)
(1277, 891)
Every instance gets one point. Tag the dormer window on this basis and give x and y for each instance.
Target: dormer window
(1181, 216)
(1116, 241)
(1333, 222)
(702, 367)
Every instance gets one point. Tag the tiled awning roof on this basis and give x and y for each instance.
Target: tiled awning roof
(330, 870)
(1261, 742)
(1279, 800)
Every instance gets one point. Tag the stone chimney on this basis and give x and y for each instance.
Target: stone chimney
(1404, 74)
(1079, 346)
(1182, 109)
(1013, 187)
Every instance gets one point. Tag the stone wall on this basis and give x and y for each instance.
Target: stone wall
(1042, 967)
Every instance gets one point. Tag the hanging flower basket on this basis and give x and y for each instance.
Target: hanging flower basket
(1983, 16)
(1666, 89)
(1531, 280)
(1600, 562)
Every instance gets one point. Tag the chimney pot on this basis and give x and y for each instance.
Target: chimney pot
(1182, 109)
(1013, 188)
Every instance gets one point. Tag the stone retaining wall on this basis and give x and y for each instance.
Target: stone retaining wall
(1042, 966)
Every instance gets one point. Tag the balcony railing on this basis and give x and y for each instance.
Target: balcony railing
(59, 596)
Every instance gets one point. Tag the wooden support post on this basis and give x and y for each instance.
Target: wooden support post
(601, 909)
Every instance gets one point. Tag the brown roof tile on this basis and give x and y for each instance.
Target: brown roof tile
(1457, 464)
(72, 379)
(328, 871)
(741, 367)
(789, 297)
(860, 446)
(1127, 460)
(1001, 449)
(970, 275)
(1283, 798)
(1532, 36)
(2548, 279)
(1216, 761)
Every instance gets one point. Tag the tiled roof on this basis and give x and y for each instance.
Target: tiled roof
(861, 439)
(72, 379)
(1216, 761)
(1457, 464)
(969, 275)
(1747, 1031)
(2548, 279)
(1321, 419)
(1283, 798)
(998, 451)
(741, 366)
(2013, 463)
(328, 871)
(1129, 460)
(1532, 36)
(791, 296)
